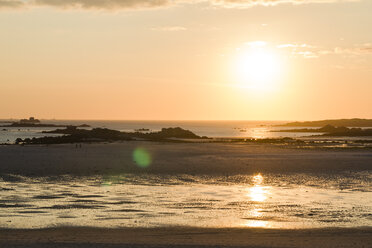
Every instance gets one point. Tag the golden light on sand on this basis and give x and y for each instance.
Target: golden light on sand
(258, 193)
(257, 67)
(256, 223)
(257, 179)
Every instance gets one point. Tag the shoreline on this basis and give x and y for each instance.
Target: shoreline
(185, 237)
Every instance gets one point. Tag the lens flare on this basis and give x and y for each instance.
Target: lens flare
(142, 157)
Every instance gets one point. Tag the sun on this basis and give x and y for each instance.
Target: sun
(257, 68)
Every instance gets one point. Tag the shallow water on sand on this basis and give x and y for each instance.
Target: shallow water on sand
(270, 201)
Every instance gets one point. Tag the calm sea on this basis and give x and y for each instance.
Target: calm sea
(253, 129)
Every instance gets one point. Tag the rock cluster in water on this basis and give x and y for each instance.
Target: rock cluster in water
(72, 134)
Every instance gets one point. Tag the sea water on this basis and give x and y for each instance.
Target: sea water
(235, 129)
(259, 200)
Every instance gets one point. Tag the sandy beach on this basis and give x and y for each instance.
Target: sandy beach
(186, 237)
(194, 159)
(179, 158)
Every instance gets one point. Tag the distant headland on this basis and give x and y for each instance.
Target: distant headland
(330, 130)
(355, 122)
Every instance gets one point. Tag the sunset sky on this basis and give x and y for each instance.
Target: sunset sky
(186, 60)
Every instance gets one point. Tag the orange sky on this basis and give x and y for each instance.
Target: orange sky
(186, 60)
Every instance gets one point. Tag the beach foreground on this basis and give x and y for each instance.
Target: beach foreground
(185, 237)
(178, 158)
(185, 195)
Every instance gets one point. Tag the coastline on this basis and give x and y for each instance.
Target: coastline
(185, 237)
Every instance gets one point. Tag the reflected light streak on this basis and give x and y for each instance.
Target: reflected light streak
(257, 192)
(256, 212)
(256, 223)
(257, 179)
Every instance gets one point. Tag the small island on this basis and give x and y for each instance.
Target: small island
(32, 122)
(72, 134)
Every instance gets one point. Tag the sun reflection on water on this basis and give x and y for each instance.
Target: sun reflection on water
(256, 223)
(258, 193)
(256, 212)
(126, 200)
(258, 179)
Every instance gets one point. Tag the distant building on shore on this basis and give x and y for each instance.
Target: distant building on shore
(30, 120)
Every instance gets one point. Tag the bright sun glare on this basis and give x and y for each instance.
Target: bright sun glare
(257, 67)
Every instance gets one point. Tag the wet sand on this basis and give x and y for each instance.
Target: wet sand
(185, 237)
(178, 158)
(181, 158)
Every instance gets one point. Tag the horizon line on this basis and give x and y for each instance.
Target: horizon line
(191, 120)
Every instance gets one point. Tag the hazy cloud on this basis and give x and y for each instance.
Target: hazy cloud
(309, 51)
(251, 3)
(137, 4)
(303, 50)
(258, 43)
(102, 4)
(169, 28)
(292, 45)
(11, 4)
(364, 49)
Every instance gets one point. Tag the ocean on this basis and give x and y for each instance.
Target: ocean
(213, 129)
